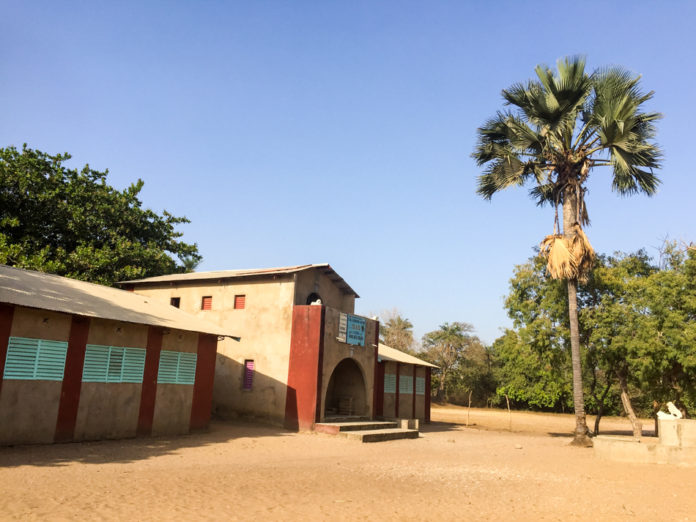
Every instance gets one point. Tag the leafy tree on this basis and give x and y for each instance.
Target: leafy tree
(445, 348)
(396, 331)
(72, 223)
(563, 126)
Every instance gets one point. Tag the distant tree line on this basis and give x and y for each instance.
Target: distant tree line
(638, 336)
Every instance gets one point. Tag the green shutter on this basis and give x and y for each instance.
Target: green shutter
(420, 386)
(169, 362)
(133, 365)
(113, 364)
(96, 363)
(405, 384)
(177, 367)
(389, 383)
(35, 359)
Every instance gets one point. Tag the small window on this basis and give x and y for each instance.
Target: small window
(175, 301)
(207, 303)
(248, 374)
(239, 302)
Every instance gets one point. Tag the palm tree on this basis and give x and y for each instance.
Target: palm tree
(561, 127)
(396, 331)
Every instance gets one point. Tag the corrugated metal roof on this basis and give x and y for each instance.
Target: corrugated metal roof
(254, 272)
(387, 353)
(61, 294)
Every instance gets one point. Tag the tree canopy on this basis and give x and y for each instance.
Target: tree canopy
(72, 223)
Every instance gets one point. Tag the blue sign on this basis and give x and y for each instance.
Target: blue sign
(355, 332)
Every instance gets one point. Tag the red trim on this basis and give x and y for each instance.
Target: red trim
(396, 400)
(72, 379)
(377, 398)
(149, 389)
(414, 392)
(203, 385)
(379, 387)
(428, 370)
(320, 366)
(302, 402)
(6, 315)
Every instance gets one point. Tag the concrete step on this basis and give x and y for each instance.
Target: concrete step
(333, 428)
(381, 435)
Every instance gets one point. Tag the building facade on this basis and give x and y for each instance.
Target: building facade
(83, 362)
(302, 355)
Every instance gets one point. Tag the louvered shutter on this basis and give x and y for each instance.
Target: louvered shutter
(35, 359)
(248, 374)
(239, 302)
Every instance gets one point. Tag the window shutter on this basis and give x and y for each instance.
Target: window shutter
(113, 373)
(239, 302)
(96, 363)
(420, 386)
(389, 383)
(248, 374)
(177, 367)
(405, 384)
(133, 365)
(35, 359)
(207, 303)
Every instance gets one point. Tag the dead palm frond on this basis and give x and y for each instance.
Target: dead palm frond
(582, 251)
(560, 261)
(568, 257)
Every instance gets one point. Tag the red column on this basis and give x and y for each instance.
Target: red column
(379, 386)
(72, 379)
(149, 389)
(396, 400)
(428, 370)
(202, 403)
(413, 416)
(302, 396)
(6, 315)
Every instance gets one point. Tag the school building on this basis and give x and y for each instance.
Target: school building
(303, 356)
(81, 361)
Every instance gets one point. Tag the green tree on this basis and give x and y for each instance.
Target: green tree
(445, 347)
(563, 126)
(72, 223)
(396, 331)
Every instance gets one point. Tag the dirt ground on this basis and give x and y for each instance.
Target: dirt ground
(243, 471)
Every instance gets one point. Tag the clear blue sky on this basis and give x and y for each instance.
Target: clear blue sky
(341, 132)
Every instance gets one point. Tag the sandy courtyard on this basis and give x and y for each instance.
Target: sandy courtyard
(244, 471)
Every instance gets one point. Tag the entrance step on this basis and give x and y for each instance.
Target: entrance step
(333, 428)
(381, 435)
(367, 431)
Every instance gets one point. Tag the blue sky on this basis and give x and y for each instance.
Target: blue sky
(341, 132)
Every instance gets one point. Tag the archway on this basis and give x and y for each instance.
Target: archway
(346, 395)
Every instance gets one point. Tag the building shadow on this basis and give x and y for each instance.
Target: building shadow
(124, 451)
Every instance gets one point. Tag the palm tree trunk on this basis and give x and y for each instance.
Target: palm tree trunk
(581, 437)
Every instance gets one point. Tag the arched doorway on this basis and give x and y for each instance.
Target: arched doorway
(346, 395)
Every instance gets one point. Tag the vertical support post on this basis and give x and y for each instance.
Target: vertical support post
(6, 316)
(396, 402)
(428, 371)
(413, 415)
(72, 379)
(202, 402)
(149, 390)
(377, 398)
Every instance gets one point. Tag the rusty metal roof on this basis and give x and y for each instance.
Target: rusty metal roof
(61, 294)
(234, 274)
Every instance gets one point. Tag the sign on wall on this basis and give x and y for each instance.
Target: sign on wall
(351, 329)
(355, 333)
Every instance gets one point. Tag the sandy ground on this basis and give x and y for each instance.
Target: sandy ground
(242, 471)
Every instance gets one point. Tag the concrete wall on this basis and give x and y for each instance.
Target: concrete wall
(405, 410)
(334, 352)
(264, 326)
(316, 282)
(43, 411)
(420, 399)
(110, 410)
(29, 409)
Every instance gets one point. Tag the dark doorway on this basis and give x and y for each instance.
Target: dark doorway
(346, 395)
(314, 298)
